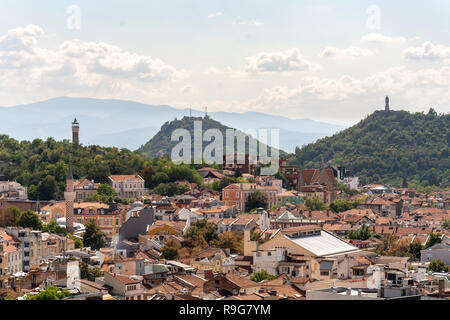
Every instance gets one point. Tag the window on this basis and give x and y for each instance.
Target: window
(269, 253)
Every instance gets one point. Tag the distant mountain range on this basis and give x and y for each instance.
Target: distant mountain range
(128, 124)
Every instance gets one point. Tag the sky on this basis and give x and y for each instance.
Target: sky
(332, 61)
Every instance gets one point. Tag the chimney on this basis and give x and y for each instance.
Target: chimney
(328, 213)
(441, 288)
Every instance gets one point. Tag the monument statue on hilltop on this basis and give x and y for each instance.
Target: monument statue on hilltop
(387, 104)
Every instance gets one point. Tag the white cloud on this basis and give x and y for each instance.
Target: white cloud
(187, 89)
(348, 53)
(414, 88)
(21, 39)
(215, 14)
(281, 61)
(240, 21)
(76, 66)
(379, 38)
(226, 71)
(428, 51)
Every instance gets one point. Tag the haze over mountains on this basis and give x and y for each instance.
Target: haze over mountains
(128, 124)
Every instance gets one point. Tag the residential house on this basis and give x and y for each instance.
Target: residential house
(124, 287)
(230, 284)
(218, 260)
(128, 186)
(237, 194)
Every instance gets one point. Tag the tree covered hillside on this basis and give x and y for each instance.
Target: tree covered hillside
(393, 147)
(161, 143)
(42, 166)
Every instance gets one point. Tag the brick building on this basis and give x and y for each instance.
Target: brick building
(237, 194)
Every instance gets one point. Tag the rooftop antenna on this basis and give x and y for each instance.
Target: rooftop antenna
(206, 112)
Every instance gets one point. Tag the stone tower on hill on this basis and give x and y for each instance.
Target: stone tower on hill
(75, 133)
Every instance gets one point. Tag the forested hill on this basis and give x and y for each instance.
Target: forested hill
(161, 143)
(391, 147)
(42, 166)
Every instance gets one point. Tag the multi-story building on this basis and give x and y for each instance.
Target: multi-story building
(244, 162)
(22, 204)
(125, 287)
(29, 245)
(128, 186)
(52, 211)
(36, 246)
(12, 189)
(291, 173)
(10, 258)
(108, 218)
(237, 194)
(84, 188)
(318, 177)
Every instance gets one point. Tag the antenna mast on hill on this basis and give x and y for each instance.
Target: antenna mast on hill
(206, 112)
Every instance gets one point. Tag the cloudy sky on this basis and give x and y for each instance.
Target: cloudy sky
(327, 60)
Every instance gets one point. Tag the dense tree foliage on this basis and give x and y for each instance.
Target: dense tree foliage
(170, 189)
(105, 193)
(261, 276)
(437, 266)
(230, 240)
(414, 250)
(391, 246)
(90, 273)
(42, 166)
(51, 293)
(315, 203)
(218, 185)
(162, 143)
(202, 229)
(9, 216)
(362, 234)
(170, 250)
(433, 239)
(446, 224)
(29, 219)
(94, 237)
(341, 205)
(257, 199)
(389, 147)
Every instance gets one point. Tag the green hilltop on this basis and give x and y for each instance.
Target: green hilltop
(161, 144)
(391, 147)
